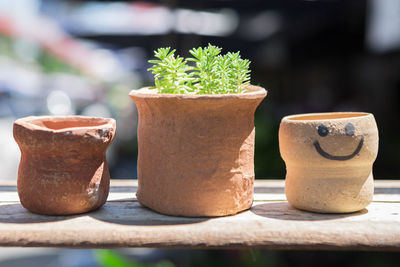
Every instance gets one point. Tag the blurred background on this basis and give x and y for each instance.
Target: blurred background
(83, 57)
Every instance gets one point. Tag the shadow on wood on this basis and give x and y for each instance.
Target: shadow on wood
(269, 190)
(123, 189)
(8, 188)
(132, 213)
(284, 211)
(123, 213)
(15, 213)
(387, 190)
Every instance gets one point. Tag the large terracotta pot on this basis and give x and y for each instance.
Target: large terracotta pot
(196, 151)
(329, 158)
(63, 168)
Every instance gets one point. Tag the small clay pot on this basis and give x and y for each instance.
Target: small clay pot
(196, 151)
(63, 168)
(329, 158)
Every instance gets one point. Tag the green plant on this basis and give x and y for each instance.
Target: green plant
(108, 258)
(170, 72)
(211, 73)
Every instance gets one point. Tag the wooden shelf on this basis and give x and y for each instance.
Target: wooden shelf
(271, 224)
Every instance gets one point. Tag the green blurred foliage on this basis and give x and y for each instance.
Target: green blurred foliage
(44, 60)
(108, 258)
(255, 258)
(50, 63)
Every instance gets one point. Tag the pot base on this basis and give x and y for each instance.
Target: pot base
(330, 195)
(192, 210)
(59, 195)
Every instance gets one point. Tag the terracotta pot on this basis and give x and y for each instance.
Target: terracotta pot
(196, 151)
(329, 158)
(63, 168)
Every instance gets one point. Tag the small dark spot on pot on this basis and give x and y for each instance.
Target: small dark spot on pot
(349, 129)
(323, 130)
(104, 132)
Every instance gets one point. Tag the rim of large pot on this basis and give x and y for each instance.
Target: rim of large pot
(325, 116)
(252, 92)
(52, 123)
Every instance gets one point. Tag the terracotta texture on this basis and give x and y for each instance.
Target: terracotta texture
(329, 158)
(63, 168)
(196, 151)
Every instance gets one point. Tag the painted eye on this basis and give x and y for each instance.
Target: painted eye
(323, 130)
(349, 129)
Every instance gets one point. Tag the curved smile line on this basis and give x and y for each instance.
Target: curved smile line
(331, 157)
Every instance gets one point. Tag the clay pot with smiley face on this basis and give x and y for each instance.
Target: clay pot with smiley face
(329, 158)
(63, 168)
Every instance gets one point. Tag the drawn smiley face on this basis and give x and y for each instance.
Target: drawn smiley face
(349, 130)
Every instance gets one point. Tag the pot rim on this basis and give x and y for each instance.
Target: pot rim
(325, 116)
(28, 123)
(253, 92)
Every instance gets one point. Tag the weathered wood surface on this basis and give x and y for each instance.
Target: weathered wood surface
(271, 224)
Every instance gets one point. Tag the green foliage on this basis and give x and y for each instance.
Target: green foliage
(108, 258)
(50, 64)
(212, 73)
(205, 68)
(170, 72)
